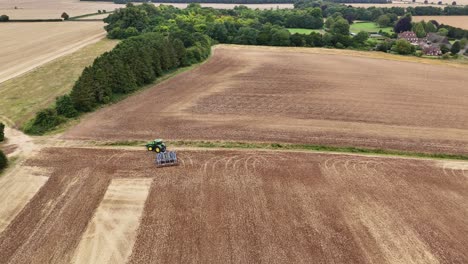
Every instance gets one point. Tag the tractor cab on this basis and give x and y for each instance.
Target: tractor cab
(157, 146)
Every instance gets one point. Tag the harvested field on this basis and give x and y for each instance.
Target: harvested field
(245, 207)
(25, 46)
(29, 9)
(455, 21)
(291, 95)
(47, 9)
(23, 96)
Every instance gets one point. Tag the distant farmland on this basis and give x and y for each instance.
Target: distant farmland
(25, 46)
(300, 98)
(455, 21)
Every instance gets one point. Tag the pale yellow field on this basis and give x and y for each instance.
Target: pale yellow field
(455, 21)
(53, 8)
(417, 3)
(25, 46)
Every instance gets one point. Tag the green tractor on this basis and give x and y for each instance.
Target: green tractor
(157, 146)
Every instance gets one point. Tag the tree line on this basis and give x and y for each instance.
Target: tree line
(133, 63)
(237, 1)
(3, 158)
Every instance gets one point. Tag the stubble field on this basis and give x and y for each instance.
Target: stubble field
(281, 95)
(72, 200)
(25, 46)
(113, 206)
(455, 21)
(28, 9)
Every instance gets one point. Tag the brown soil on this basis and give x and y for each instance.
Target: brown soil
(243, 207)
(284, 95)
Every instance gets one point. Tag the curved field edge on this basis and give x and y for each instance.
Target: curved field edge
(22, 96)
(70, 122)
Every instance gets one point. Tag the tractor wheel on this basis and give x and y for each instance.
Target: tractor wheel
(157, 149)
(163, 149)
(150, 149)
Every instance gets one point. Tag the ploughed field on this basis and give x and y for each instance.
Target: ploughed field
(219, 206)
(296, 96)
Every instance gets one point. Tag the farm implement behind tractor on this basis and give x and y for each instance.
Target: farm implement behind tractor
(163, 158)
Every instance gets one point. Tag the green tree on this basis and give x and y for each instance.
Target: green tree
(444, 49)
(443, 31)
(463, 43)
(4, 18)
(383, 21)
(456, 47)
(64, 106)
(430, 27)
(3, 161)
(280, 37)
(44, 121)
(419, 30)
(2, 132)
(340, 27)
(246, 36)
(361, 37)
(403, 47)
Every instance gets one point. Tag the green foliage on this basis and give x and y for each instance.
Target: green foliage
(3, 160)
(418, 28)
(383, 21)
(456, 47)
(280, 37)
(2, 132)
(246, 36)
(340, 26)
(403, 47)
(44, 121)
(463, 42)
(64, 106)
(442, 31)
(444, 49)
(4, 18)
(361, 37)
(430, 27)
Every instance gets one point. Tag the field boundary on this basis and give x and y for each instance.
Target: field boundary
(293, 147)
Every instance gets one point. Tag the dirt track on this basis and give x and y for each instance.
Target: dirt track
(272, 94)
(243, 207)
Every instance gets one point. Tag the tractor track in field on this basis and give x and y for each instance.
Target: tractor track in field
(241, 205)
(89, 198)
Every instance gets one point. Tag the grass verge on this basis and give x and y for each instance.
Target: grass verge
(23, 96)
(296, 147)
(304, 30)
(370, 27)
(70, 122)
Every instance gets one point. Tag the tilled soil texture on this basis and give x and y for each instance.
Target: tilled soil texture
(222, 206)
(286, 95)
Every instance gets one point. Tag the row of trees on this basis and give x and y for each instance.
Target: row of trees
(3, 158)
(240, 25)
(135, 62)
